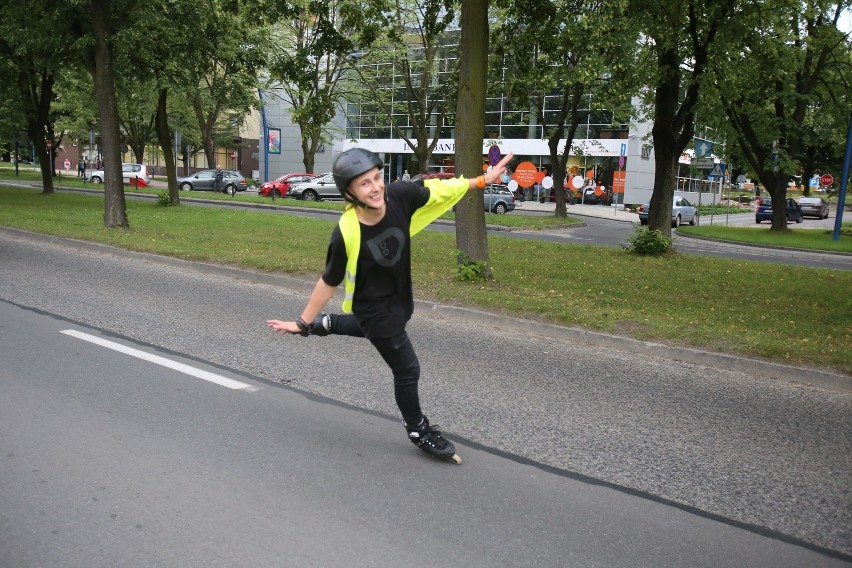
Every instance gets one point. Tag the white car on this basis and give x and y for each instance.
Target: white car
(682, 212)
(138, 173)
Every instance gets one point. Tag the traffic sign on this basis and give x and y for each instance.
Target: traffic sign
(494, 155)
(813, 182)
(718, 171)
(703, 163)
(623, 150)
(703, 148)
(826, 180)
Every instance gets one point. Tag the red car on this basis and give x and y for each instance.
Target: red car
(280, 186)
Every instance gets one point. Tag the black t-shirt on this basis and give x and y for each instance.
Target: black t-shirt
(383, 301)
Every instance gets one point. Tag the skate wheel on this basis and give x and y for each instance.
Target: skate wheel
(455, 458)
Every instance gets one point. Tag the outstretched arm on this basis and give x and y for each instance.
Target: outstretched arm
(319, 298)
(492, 176)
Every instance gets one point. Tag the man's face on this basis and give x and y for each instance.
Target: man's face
(369, 188)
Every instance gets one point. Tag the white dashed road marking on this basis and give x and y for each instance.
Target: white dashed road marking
(162, 361)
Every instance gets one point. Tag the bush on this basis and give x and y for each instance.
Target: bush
(164, 199)
(470, 270)
(648, 241)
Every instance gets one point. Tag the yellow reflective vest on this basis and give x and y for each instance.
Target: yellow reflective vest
(443, 194)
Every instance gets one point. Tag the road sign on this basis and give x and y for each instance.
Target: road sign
(718, 171)
(826, 180)
(703, 163)
(623, 150)
(703, 148)
(813, 182)
(494, 155)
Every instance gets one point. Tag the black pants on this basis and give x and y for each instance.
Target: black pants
(399, 354)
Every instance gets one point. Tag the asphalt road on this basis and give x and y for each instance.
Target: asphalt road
(708, 467)
(111, 460)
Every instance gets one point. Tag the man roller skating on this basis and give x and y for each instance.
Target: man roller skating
(370, 253)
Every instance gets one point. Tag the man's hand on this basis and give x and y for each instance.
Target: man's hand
(283, 327)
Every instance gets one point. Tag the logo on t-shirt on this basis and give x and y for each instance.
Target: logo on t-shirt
(387, 246)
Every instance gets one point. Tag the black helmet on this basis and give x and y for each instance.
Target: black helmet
(351, 164)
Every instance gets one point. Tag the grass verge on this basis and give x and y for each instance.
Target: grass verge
(811, 239)
(785, 313)
(515, 221)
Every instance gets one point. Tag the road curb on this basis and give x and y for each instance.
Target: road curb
(806, 376)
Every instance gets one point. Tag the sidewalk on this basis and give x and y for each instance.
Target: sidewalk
(599, 211)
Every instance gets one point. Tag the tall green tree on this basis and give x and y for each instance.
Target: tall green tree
(680, 38)
(318, 42)
(36, 44)
(226, 56)
(410, 78)
(555, 54)
(799, 74)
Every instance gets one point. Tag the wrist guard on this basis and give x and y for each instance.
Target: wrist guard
(304, 328)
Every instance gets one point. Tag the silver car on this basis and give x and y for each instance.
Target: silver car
(814, 207)
(498, 199)
(682, 212)
(322, 187)
(205, 180)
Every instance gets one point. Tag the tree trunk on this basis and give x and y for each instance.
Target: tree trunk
(670, 131)
(776, 186)
(115, 210)
(164, 137)
(40, 128)
(308, 156)
(471, 236)
(205, 127)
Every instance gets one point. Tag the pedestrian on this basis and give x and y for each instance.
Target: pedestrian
(405, 176)
(217, 179)
(370, 253)
(81, 168)
(67, 165)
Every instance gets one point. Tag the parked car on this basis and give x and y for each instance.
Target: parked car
(682, 211)
(572, 195)
(498, 199)
(814, 207)
(280, 186)
(204, 180)
(592, 198)
(133, 174)
(433, 175)
(320, 187)
(764, 211)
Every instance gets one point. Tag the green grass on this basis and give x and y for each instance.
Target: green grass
(515, 221)
(811, 239)
(785, 313)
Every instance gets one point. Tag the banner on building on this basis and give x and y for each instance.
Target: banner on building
(273, 139)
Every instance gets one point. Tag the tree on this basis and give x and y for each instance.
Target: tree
(318, 44)
(471, 237)
(224, 60)
(419, 51)
(35, 46)
(556, 53)
(680, 36)
(800, 74)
